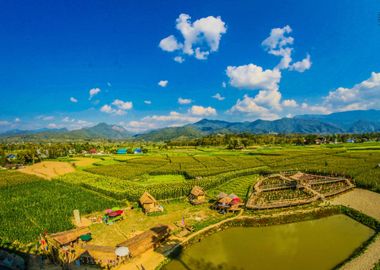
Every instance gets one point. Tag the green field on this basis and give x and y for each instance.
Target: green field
(30, 205)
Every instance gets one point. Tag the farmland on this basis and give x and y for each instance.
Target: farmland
(37, 204)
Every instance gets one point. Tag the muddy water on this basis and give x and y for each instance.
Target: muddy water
(314, 245)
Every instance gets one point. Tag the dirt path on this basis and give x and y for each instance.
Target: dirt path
(367, 202)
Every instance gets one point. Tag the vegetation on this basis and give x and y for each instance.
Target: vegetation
(30, 206)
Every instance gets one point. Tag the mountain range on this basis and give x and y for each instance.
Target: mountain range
(341, 122)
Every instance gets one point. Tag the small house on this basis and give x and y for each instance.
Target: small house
(149, 203)
(92, 151)
(137, 151)
(350, 141)
(197, 195)
(11, 157)
(121, 151)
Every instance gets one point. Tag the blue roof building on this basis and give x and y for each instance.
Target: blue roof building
(121, 151)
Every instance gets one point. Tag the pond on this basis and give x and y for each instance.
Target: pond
(314, 245)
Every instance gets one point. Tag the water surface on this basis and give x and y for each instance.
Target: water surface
(313, 245)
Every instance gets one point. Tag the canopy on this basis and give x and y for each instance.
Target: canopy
(116, 213)
(122, 251)
(86, 237)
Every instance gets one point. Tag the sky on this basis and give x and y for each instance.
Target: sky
(151, 64)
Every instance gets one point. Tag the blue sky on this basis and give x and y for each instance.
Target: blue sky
(318, 57)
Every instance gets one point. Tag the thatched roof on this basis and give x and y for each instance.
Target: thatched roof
(222, 195)
(297, 176)
(147, 198)
(145, 240)
(64, 238)
(225, 200)
(103, 253)
(197, 191)
(233, 196)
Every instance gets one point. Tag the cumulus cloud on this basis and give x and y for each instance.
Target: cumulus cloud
(17, 120)
(93, 92)
(253, 77)
(218, 97)
(73, 100)
(362, 96)
(179, 59)
(301, 66)
(183, 101)
(172, 119)
(267, 103)
(122, 105)
(170, 44)
(163, 83)
(200, 38)
(45, 117)
(290, 103)
(72, 123)
(250, 106)
(202, 111)
(4, 123)
(117, 107)
(148, 102)
(279, 44)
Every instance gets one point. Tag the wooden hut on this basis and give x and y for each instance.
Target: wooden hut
(149, 203)
(63, 245)
(197, 196)
(146, 240)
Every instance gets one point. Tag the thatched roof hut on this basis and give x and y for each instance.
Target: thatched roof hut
(149, 203)
(197, 191)
(146, 240)
(222, 195)
(67, 237)
(225, 200)
(197, 195)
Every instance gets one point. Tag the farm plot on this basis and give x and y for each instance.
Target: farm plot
(33, 206)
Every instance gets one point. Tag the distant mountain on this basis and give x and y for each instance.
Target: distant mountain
(342, 122)
(100, 131)
(14, 132)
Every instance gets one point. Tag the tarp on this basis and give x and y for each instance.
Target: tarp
(116, 213)
(86, 237)
(122, 251)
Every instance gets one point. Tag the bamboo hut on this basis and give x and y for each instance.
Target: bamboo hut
(197, 196)
(63, 245)
(146, 240)
(149, 203)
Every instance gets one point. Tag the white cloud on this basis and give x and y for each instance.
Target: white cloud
(301, 66)
(73, 100)
(72, 123)
(52, 125)
(200, 38)
(362, 96)
(172, 119)
(118, 107)
(314, 108)
(202, 111)
(4, 123)
(46, 118)
(147, 102)
(279, 44)
(249, 106)
(290, 103)
(183, 101)
(17, 120)
(163, 83)
(93, 92)
(224, 85)
(122, 105)
(253, 77)
(218, 97)
(106, 109)
(179, 59)
(170, 44)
